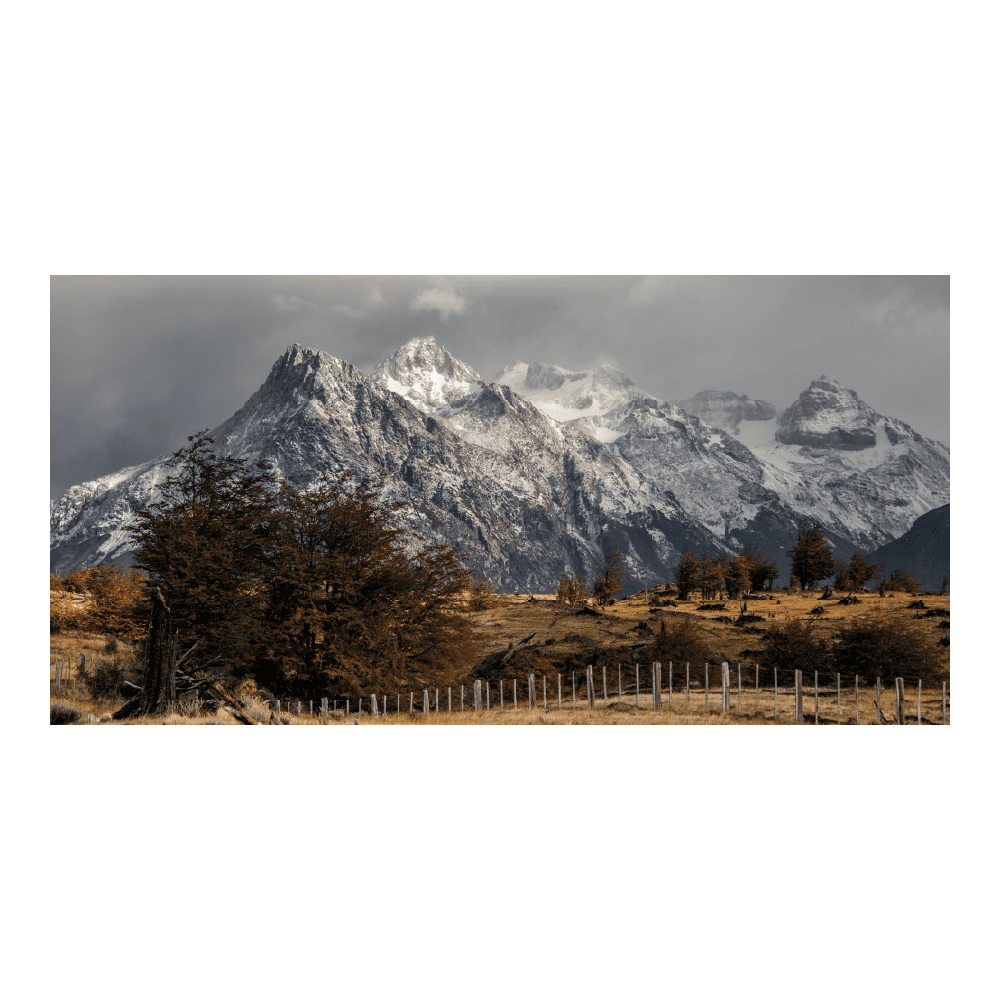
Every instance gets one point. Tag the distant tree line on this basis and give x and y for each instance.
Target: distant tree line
(812, 561)
(710, 575)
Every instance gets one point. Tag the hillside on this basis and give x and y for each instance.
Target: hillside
(925, 550)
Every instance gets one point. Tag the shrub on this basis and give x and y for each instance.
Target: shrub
(794, 645)
(888, 643)
(483, 595)
(681, 640)
(107, 679)
(904, 581)
(63, 715)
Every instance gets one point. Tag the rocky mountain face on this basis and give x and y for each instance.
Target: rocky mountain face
(827, 415)
(543, 473)
(726, 409)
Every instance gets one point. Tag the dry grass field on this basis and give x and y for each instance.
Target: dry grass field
(561, 633)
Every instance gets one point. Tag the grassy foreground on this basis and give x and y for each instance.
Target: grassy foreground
(617, 713)
(561, 631)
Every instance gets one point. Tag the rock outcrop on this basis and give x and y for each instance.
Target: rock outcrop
(827, 415)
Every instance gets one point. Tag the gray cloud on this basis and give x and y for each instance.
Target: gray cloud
(139, 363)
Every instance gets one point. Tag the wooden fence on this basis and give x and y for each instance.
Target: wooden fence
(483, 697)
(745, 678)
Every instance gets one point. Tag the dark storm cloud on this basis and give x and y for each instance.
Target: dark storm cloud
(139, 363)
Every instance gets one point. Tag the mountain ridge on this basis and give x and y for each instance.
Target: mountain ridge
(526, 496)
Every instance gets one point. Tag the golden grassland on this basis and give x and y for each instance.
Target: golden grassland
(563, 631)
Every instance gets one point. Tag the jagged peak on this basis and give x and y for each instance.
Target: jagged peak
(296, 356)
(415, 343)
(426, 374)
(826, 384)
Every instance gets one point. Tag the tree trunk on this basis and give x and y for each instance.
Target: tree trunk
(158, 673)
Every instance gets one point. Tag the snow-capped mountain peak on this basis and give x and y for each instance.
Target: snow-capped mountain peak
(426, 374)
(567, 395)
(726, 409)
(826, 415)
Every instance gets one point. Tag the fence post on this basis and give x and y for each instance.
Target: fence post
(298, 708)
(636, 683)
(574, 689)
(919, 686)
(899, 701)
(725, 687)
(545, 700)
(756, 701)
(838, 699)
(604, 677)
(816, 692)
(411, 702)
(670, 684)
(706, 687)
(798, 696)
(427, 701)
(487, 694)
(657, 685)
(501, 694)
(436, 690)
(515, 692)
(944, 703)
(374, 705)
(776, 692)
(324, 707)
(590, 685)
(559, 688)
(310, 706)
(90, 719)
(531, 690)
(857, 702)
(385, 701)
(477, 696)
(449, 699)
(878, 698)
(739, 687)
(397, 703)
(619, 682)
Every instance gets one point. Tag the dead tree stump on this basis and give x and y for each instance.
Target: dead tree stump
(158, 687)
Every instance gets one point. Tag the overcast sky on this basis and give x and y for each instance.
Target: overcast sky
(138, 363)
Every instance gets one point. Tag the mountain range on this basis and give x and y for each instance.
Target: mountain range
(540, 470)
